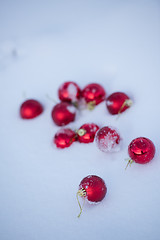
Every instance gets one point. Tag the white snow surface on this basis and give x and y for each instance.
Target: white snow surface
(43, 44)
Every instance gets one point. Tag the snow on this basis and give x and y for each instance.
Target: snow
(72, 91)
(109, 103)
(114, 43)
(71, 109)
(108, 141)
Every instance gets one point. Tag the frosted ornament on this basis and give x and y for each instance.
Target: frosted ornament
(108, 140)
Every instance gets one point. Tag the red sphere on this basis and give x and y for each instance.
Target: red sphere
(94, 93)
(141, 150)
(86, 133)
(64, 138)
(69, 92)
(63, 113)
(93, 188)
(107, 139)
(30, 109)
(118, 102)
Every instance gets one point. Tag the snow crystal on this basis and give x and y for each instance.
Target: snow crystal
(72, 90)
(108, 145)
(94, 203)
(71, 109)
(108, 142)
(109, 103)
(94, 90)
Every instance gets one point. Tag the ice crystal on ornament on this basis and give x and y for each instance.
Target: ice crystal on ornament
(108, 140)
(69, 92)
(71, 109)
(72, 90)
(109, 103)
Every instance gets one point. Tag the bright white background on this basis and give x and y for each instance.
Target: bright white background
(43, 44)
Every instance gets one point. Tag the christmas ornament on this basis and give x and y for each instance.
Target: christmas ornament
(64, 138)
(141, 150)
(30, 109)
(118, 102)
(92, 188)
(108, 140)
(63, 113)
(93, 94)
(86, 133)
(69, 92)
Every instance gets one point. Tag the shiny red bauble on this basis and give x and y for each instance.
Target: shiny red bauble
(118, 102)
(94, 94)
(64, 138)
(30, 109)
(92, 188)
(108, 140)
(86, 133)
(69, 92)
(141, 150)
(63, 113)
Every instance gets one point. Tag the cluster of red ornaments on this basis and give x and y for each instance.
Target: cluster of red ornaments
(72, 98)
(85, 134)
(141, 150)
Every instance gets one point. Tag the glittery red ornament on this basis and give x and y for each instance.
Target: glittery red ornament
(63, 113)
(107, 139)
(141, 150)
(30, 109)
(93, 94)
(92, 188)
(69, 92)
(64, 138)
(86, 133)
(118, 102)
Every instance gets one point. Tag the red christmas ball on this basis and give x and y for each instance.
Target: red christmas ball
(118, 102)
(93, 94)
(141, 150)
(63, 113)
(86, 133)
(30, 109)
(92, 188)
(108, 140)
(64, 138)
(69, 92)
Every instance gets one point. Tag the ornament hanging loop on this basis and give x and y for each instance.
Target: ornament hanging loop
(81, 132)
(81, 193)
(127, 103)
(130, 161)
(91, 105)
